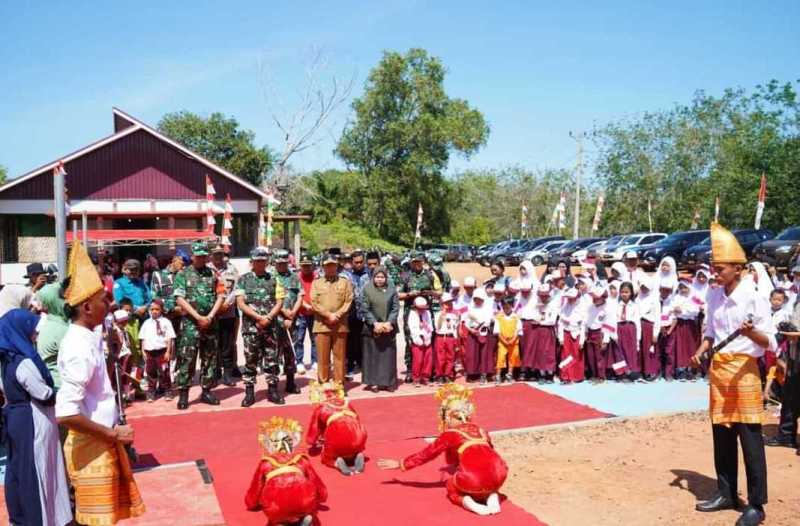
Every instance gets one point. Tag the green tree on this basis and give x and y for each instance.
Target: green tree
(3, 174)
(681, 159)
(219, 139)
(400, 141)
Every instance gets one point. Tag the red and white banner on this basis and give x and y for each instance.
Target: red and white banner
(762, 197)
(716, 210)
(418, 233)
(227, 225)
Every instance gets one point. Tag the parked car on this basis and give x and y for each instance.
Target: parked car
(567, 250)
(778, 252)
(531, 244)
(539, 255)
(748, 238)
(631, 243)
(595, 247)
(501, 250)
(672, 245)
(461, 252)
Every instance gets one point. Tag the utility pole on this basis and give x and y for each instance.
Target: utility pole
(59, 212)
(579, 136)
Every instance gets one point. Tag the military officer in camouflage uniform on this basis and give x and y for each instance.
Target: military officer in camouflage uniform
(259, 297)
(199, 295)
(290, 284)
(417, 282)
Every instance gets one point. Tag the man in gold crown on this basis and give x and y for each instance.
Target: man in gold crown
(285, 486)
(739, 321)
(98, 466)
(336, 427)
(479, 471)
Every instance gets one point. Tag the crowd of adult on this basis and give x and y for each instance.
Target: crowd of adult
(156, 323)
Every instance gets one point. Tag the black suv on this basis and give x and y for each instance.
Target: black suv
(565, 251)
(778, 252)
(748, 238)
(673, 245)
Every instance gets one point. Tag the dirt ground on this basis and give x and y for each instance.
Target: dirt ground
(634, 472)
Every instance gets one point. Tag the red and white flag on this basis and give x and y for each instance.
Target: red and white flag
(418, 233)
(695, 219)
(716, 210)
(210, 191)
(227, 225)
(762, 196)
(598, 211)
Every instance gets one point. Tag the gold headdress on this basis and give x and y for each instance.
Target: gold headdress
(456, 404)
(320, 392)
(279, 434)
(84, 280)
(724, 246)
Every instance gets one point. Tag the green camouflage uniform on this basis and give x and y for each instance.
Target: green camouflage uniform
(260, 293)
(162, 286)
(199, 289)
(290, 284)
(410, 282)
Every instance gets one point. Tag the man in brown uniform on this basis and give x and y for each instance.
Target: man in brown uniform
(331, 297)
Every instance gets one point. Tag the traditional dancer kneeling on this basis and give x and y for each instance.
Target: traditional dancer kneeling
(479, 470)
(285, 486)
(335, 427)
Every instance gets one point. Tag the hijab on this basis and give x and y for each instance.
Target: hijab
(17, 327)
(668, 278)
(14, 297)
(530, 273)
(762, 280)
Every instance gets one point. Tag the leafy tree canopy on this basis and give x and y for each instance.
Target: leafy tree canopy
(219, 139)
(400, 140)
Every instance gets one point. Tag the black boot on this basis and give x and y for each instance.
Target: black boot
(227, 378)
(249, 395)
(716, 503)
(183, 399)
(273, 395)
(208, 397)
(291, 387)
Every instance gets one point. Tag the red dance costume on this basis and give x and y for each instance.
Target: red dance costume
(342, 433)
(479, 469)
(286, 488)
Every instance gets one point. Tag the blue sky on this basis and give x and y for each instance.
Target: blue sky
(535, 69)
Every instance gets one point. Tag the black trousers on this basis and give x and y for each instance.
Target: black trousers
(355, 352)
(790, 408)
(726, 461)
(226, 339)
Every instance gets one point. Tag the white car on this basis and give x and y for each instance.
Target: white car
(540, 255)
(632, 242)
(581, 254)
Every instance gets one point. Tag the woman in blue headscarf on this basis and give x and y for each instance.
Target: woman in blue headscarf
(35, 486)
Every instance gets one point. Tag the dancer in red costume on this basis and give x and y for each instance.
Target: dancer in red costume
(285, 486)
(479, 470)
(336, 427)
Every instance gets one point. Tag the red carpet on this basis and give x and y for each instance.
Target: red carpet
(227, 441)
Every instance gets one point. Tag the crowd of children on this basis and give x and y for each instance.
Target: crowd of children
(628, 326)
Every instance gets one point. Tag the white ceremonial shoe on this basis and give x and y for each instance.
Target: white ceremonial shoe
(493, 503)
(474, 507)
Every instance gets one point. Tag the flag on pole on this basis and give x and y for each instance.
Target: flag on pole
(597, 213)
(59, 170)
(716, 210)
(762, 196)
(418, 233)
(227, 224)
(562, 211)
(210, 191)
(523, 224)
(650, 214)
(271, 202)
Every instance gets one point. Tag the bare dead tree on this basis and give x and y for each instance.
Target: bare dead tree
(304, 125)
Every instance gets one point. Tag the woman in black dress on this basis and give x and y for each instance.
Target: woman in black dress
(380, 307)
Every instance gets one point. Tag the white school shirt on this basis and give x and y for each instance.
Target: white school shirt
(462, 303)
(630, 312)
(571, 319)
(449, 325)
(148, 334)
(603, 318)
(699, 295)
(420, 326)
(547, 313)
(85, 386)
(727, 313)
(781, 315)
(688, 309)
(526, 307)
(667, 316)
(649, 306)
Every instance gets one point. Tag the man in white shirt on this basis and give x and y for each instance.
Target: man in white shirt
(735, 401)
(98, 466)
